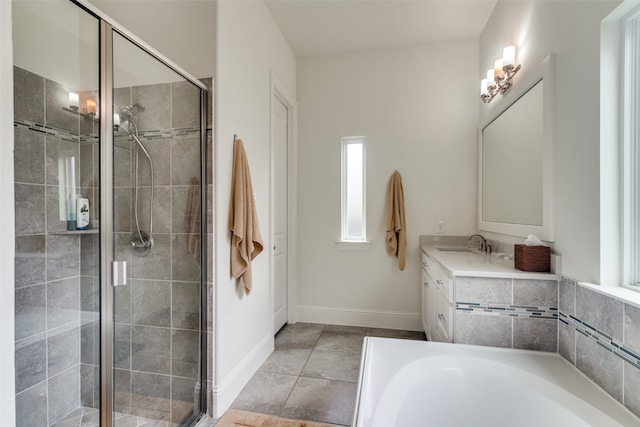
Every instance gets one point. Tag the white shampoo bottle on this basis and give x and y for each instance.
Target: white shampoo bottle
(82, 214)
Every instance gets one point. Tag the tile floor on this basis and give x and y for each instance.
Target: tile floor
(90, 417)
(312, 373)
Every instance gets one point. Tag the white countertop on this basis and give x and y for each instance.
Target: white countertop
(479, 264)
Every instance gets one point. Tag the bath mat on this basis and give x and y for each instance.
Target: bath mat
(235, 418)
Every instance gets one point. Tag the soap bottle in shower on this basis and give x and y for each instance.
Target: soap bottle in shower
(72, 222)
(82, 213)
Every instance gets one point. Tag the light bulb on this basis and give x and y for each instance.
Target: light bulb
(509, 56)
(74, 100)
(483, 87)
(497, 69)
(490, 78)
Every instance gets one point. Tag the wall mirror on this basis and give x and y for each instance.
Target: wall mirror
(515, 168)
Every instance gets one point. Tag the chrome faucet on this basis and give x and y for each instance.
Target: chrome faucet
(484, 247)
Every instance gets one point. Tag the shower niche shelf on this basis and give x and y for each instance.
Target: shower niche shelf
(73, 232)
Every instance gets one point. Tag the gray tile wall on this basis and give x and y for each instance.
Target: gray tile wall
(594, 332)
(57, 288)
(511, 313)
(598, 334)
(53, 283)
(158, 315)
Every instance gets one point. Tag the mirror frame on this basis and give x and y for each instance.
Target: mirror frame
(546, 232)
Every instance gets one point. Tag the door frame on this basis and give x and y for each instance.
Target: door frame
(280, 93)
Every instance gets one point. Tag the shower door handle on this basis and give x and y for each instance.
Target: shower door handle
(119, 273)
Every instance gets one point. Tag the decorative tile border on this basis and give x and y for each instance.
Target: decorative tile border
(602, 339)
(75, 137)
(47, 130)
(522, 311)
(150, 135)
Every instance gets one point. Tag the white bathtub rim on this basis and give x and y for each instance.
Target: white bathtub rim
(535, 388)
(547, 371)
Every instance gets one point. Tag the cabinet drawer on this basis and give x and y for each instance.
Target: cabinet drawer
(445, 318)
(441, 336)
(436, 273)
(445, 286)
(427, 264)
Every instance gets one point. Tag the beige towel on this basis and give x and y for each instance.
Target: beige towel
(394, 220)
(192, 218)
(246, 241)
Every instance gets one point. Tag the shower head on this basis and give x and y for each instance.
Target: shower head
(127, 114)
(128, 111)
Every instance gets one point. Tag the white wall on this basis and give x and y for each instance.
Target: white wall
(571, 31)
(7, 234)
(417, 106)
(250, 46)
(183, 31)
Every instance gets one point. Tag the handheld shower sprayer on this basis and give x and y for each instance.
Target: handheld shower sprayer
(141, 241)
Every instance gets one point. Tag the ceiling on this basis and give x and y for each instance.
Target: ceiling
(317, 27)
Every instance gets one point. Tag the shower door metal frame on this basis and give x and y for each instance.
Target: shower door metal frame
(106, 161)
(107, 28)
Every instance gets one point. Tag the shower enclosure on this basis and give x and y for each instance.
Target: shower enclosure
(110, 326)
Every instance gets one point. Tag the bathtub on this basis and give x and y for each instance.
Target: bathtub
(407, 383)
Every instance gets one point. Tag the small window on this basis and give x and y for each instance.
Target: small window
(630, 92)
(354, 224)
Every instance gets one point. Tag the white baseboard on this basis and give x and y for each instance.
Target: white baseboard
(230, 387)
(354, 317)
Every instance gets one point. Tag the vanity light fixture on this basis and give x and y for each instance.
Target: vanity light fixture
(90, 109)
(499, 78)
(74, 100)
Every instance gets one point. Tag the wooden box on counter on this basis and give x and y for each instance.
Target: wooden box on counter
(532, 258)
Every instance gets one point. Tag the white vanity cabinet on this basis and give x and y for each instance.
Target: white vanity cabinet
(437, 302)
(470, 297)
(429, 315)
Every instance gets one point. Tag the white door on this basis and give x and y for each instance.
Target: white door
(279, 164)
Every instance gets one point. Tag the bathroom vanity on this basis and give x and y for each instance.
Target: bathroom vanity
(472, 297)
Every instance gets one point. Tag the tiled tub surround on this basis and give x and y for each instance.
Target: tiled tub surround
(504, 312)
(597, 333)
(56, 277)
(600, 335)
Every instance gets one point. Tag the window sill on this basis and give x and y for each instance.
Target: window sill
(345, 245)
(620, 293)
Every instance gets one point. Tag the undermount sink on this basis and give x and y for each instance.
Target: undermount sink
(453, 249)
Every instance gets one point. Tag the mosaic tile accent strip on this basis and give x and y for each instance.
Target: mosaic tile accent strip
(75, 137)
(522, 311)
(602, 339)
(169, 134)
(47, 130)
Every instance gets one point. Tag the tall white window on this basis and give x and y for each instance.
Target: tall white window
(631, 151)
(354, 224)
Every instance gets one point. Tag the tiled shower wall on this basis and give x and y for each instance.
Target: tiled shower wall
(55, 271)
(157, 316)
(57, 293)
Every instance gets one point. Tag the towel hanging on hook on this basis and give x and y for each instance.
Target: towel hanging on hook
(246, 241)
(394, 221)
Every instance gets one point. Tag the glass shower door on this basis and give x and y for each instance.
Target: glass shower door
(157, 232)
(56, 129)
